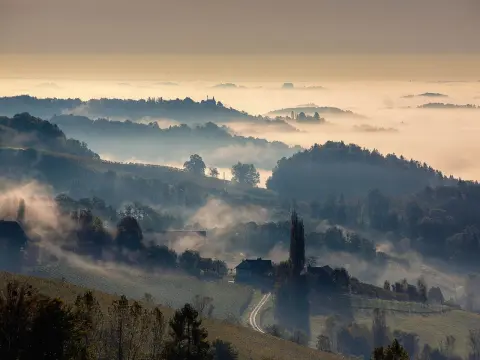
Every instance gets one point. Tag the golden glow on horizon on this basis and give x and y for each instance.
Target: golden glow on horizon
(241, 68)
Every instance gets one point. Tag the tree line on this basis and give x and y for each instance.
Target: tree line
(245, 174)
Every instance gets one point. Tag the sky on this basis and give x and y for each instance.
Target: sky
(240, 27)
(248, 40)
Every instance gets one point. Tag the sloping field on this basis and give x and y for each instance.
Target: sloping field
(250, 344)
(170, 289)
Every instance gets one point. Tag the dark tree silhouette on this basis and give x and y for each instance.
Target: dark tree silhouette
(188, 337)
(223, 350)
(36, 327)
(323, 343)
(297, 244)
(213, 172)
(195, 165)
(245, 174)
(395, 351)
(129, 234)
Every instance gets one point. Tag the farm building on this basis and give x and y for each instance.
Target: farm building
(253, 270)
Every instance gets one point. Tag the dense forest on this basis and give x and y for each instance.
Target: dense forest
(336, 168)
(438, 221)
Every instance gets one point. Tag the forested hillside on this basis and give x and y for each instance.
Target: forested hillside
(26, 131)
(336, 168)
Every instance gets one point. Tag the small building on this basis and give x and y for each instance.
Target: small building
(320, 270)
(253, 270)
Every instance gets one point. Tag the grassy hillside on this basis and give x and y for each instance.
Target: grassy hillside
(432, 328)
(250, 344)
(170, 289)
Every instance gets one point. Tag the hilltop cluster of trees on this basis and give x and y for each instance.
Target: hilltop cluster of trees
(301, 117)
(26, 131)
(447, 106)
(245, 174)
(337, 168)
(311, 109)
(34, 326)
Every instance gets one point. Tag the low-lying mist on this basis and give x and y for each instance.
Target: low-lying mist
(51, 236)
(445, 139)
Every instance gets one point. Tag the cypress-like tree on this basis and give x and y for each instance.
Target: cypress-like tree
(297, 244)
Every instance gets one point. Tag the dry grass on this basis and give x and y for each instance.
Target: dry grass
(434, 328)
(250, 344)
(171, 289)
(431, 328)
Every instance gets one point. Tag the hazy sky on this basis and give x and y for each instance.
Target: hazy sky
(240, 26)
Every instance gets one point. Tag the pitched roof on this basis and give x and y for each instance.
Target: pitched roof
(257, 265)
(316, 270)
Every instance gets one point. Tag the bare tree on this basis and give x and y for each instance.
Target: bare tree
(90, 317)
(323, 343)
(422, 289)
(148, 299)
(299, 337)
(127, 330)
(331, 330)
(447, 345)
(387, 286)
(156, 341)
(203, 305)
(213, 172)
(473, 341)
(275, 330)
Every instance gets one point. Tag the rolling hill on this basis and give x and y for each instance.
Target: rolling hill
(336, 168)
(150, 143)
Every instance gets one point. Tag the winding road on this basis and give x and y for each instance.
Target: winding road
(253, 315)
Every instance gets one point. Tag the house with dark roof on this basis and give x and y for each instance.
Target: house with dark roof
(252, 270)
(320, 270)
